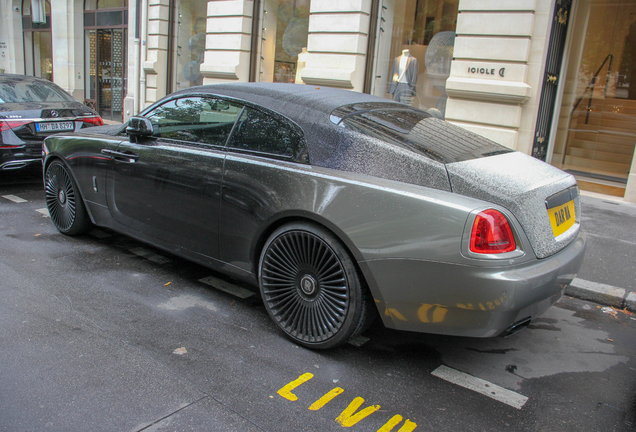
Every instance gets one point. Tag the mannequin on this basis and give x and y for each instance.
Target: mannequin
(404, 77)
(300, 65)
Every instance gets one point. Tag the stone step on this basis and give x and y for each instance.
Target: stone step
(599, 167)
(600, 156)
(604, 137)
(626, 150)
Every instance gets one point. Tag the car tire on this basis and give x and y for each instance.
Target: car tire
(311, 287)
(63, 200)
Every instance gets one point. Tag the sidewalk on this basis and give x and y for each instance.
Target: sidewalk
(608, 274)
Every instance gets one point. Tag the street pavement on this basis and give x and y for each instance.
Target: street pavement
(102, 333)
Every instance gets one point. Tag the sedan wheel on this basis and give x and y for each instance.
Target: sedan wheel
(63, 201)
(311, 288)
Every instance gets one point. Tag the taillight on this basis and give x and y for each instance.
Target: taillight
(491, 233)
(93, 121)
(10, 124)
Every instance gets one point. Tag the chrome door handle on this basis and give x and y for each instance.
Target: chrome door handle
(121, 156)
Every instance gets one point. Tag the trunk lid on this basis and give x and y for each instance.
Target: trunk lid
(526, 187)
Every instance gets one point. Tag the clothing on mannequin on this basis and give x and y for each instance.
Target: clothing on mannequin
(300, 65)
(404, 74)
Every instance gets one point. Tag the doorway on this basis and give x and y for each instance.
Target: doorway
(597, 124)
(106, 36)
(110, 73)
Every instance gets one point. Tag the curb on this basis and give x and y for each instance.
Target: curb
(602, 294)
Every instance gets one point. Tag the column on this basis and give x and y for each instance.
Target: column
(228, 41)
(156, 62)
(11, 41)
(337, 43)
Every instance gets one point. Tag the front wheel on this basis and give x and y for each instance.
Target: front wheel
(63, 200)
(311, 287)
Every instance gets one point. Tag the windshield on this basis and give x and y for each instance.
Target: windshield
(17, 91)
(416, 131)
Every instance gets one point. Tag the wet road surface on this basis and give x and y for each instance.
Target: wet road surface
(100, 332)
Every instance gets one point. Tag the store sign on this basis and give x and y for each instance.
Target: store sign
(486, 71)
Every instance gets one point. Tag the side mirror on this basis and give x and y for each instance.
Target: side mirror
(139, 127)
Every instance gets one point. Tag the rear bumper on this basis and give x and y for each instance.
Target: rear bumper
(19, 155)
(464, 300)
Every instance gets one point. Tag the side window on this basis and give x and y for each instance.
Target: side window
(195, 119)
(259, 132)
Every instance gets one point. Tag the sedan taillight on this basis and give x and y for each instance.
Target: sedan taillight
(10, 124)
(92, 121)
(491, 234)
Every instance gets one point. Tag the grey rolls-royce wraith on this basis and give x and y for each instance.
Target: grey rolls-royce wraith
(339, 205)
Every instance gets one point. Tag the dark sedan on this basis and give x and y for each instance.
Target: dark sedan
(32, 109)
(338, 205)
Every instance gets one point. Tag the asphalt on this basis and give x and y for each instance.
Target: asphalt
(608, 274)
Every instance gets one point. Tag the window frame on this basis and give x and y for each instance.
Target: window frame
(148, 113)
(302, 156)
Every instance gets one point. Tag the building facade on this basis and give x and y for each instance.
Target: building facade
(550, 78)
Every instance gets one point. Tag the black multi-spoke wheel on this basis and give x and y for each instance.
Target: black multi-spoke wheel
(63, 201)
(311, 288)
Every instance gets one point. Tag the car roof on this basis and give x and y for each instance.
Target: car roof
(301, 103)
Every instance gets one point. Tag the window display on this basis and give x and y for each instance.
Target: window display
(414, 51)
(284, 40)
(190, 43)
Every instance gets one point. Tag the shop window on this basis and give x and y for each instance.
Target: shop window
(188, 44)
(38, 58)
(284, 40)
(414, 52)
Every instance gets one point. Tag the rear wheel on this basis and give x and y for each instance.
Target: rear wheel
(63, 200)
(311, 287)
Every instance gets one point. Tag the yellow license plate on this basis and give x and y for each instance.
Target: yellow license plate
(562, 218)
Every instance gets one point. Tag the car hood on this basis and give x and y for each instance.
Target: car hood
(37, 110)
(521, 184)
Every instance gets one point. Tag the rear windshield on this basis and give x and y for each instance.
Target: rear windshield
(416, 131)
(16, 91)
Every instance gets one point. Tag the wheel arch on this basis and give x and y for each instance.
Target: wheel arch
(364, 274)
(300, 216)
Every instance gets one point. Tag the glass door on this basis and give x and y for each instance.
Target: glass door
(106, 72)
(110, 73)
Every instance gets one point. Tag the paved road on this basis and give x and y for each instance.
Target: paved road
(102, 333)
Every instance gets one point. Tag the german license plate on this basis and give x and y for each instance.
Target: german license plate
(562, 218)
(54, 126)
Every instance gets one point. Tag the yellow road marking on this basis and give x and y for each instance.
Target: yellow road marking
(286, 390)
(347, 418)
(326, 399)
(409, 426)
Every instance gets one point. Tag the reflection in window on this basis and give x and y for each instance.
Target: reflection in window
(259, 132)
(415, 49)
(23, 91)
(195, 119)
(284, 41)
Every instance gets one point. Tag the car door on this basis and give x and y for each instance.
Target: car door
(168, 186)
(257, 183)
